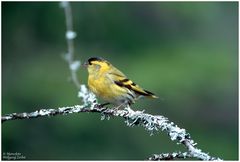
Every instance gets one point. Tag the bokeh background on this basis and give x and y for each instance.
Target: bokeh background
(185, 52)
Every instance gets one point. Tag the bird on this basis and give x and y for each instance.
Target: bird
(111, 85)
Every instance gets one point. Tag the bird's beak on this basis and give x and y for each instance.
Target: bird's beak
(85, 64)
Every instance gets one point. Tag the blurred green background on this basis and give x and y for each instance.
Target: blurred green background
(185, 52)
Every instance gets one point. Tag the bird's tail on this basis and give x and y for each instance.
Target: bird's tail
(150, 94)
(144, 92)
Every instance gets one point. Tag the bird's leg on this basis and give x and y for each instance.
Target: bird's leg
(117, 108)
(120, 106)
(102, 106)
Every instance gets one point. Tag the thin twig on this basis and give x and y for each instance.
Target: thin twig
(70, 35)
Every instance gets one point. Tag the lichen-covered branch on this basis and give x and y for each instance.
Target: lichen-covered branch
(151, 123)
(87, 97)
(170, 156)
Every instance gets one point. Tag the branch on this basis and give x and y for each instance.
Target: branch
(151, 123)
(170, 156)
(70, 35)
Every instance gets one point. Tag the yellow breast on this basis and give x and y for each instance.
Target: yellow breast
(106, 89)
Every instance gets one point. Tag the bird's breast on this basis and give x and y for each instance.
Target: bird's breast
(106, 89)
(100, 86)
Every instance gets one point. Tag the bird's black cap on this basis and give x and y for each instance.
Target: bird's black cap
(94, 59)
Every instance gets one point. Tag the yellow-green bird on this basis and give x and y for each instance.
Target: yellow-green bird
(110, 84)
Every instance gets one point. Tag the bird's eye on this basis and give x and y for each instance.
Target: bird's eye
(97, 66)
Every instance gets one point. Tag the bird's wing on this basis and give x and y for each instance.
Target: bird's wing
(123, 82)
(115, 73)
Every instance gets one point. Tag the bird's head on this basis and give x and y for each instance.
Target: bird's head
(97, 64)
